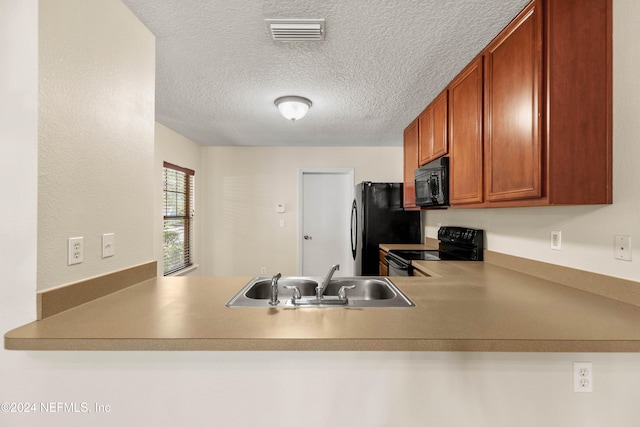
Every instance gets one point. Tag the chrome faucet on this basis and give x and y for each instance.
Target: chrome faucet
(322, 286)
(274, 289)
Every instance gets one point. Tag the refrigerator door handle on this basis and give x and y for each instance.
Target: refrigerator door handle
(354, 229)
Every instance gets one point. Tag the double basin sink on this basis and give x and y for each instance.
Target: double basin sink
(357, 292)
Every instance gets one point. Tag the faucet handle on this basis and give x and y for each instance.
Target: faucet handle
(296, 292)
(342, 292)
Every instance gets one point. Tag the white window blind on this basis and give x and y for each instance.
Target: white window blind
(179, 208)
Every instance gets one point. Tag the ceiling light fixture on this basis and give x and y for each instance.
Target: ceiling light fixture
(293, 107)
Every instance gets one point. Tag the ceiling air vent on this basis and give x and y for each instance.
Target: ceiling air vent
(296, 30)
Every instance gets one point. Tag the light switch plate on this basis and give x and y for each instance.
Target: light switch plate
(556, 240)
(108, 245)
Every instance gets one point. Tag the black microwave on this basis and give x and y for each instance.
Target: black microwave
(432, 183)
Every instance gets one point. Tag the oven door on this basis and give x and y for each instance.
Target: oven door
(398, 268)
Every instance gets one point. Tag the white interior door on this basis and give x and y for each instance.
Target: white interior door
(325, 239)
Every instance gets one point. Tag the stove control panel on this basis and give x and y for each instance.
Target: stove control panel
(465, 239)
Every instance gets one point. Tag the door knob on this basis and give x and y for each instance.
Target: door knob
(307, 238)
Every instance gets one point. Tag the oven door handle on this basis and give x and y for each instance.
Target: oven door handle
(396, 264)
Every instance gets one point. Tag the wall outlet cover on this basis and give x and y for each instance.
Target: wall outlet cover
(582, 377)
(75, 250)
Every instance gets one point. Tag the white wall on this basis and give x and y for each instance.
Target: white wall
(179, 150)
(96, 127)
(587, 231)
(19, 160)
(283, 388)
(242, 186)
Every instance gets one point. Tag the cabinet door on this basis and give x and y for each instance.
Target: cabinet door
(512, 142)
(440, 130)
(432, 130)
(578, 51)
(383, 265)
(410, 164)
(425, 136)
(465, 134)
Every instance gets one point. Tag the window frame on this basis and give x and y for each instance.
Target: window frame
(188, 217)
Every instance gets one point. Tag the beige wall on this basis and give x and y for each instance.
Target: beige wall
(587, 231)
(176, 149)
(242, 186)
(96, 118)
(185, 388)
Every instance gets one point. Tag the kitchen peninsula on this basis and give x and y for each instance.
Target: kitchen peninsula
(461, 306)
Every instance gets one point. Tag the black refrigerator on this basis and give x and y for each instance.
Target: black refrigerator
(377, 216)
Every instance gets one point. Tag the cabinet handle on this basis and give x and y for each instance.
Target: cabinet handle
(307, 238)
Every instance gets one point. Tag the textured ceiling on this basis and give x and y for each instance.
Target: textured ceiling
(218, 72)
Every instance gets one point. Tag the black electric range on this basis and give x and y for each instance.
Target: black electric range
(455, 244)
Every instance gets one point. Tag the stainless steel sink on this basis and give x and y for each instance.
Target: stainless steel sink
(367, 292)
(365, 288)
(260, 288)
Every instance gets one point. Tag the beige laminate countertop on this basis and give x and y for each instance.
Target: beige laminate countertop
(406, 246)
(465, 306)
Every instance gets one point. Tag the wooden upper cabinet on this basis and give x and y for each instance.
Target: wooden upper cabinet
(410, 164)
(578, 42)
(529, 122)
(432, 130)
(425, 136)
(465, 136)
(513, 145)
(548, 106)
(440, 128)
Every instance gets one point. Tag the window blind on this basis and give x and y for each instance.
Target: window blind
(179, 209)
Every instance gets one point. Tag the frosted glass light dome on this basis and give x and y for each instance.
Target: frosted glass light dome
(293, 107)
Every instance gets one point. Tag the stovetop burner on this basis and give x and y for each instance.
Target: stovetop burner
(424, 255)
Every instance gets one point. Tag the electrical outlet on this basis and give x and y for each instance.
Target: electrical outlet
(556, 240)
(75, 250)
(108, 245)
(622, 248)
(263, 270)
(582, 377)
